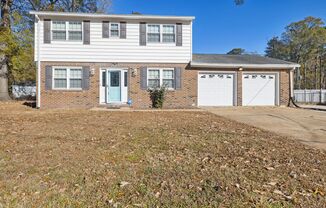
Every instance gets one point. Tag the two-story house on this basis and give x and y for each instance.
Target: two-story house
(88, 60)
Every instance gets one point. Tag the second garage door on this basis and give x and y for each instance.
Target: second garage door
(216, 89)
(259, 89)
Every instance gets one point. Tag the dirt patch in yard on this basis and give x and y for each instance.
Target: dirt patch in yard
(79, 158)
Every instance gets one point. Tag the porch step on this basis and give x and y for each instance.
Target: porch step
(115, 106)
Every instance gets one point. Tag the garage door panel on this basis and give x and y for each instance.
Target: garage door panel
(258, 89)
(215, 89)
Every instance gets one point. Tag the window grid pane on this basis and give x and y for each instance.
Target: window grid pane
(59, 35)
(76, 73)
(75, 26)
(154, 38)
(168, 74)
(60, 83)
(154, 74)
(153, 28)
(169, 29)
(75, 35)
(75, 83)
(114, 33)
(168, 38)
(168, 83)
(114, 30)
(153, 83)
(60, 73)
(154, 35)
(59, 25)
(114, 27)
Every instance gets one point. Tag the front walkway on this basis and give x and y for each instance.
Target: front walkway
(306, 126)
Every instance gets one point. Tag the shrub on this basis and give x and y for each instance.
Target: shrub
(157, 96)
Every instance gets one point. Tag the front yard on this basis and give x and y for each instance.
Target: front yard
(79, 158)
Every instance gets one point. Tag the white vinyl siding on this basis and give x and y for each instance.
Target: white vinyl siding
(160, 77)
(116, 49)
(67, 78)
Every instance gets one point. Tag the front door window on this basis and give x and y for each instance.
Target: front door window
(114, 87)
(115, 79)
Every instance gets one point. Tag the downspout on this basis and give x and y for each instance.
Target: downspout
(291, 100)
(38, 97)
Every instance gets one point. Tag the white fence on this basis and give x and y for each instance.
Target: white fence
(23, 91)
(309, 96)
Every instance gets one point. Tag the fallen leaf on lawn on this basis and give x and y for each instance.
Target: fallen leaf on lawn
(272, 183)
(319, 192)
(269, 168)
(123, 183)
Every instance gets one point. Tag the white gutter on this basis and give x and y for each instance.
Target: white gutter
(244, 66)
(117, 16)
(38, 97)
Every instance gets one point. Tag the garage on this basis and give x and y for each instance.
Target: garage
(216, 89)
(259, 89)
(246, 80)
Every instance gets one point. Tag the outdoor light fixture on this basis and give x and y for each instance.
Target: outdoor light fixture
(92, 71)
(134, 72)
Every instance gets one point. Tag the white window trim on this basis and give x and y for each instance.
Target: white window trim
(68, 77)
(161, 76)
(161, 33)
(67, 31)
(111, 23)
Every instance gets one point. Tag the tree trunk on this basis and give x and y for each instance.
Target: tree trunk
(4, 95)
(5, 25)
(73, 5)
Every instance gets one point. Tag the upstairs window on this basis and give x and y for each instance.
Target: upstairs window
(114, 29)
(160, 33)
(59, 30)
(168, 34)
(62, 30)
(153, 34)
(75, 31)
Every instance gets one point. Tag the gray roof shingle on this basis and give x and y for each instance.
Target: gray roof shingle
(236, 59)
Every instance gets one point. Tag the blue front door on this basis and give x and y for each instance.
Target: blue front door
(114, 86)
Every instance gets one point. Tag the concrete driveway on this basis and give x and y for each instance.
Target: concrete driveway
(306, 126)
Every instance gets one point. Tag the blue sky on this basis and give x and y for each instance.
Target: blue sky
(220, 25)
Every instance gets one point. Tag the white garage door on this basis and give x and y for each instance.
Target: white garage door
(215, 89)
(259, 89)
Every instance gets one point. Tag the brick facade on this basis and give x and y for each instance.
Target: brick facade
(186, 97)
